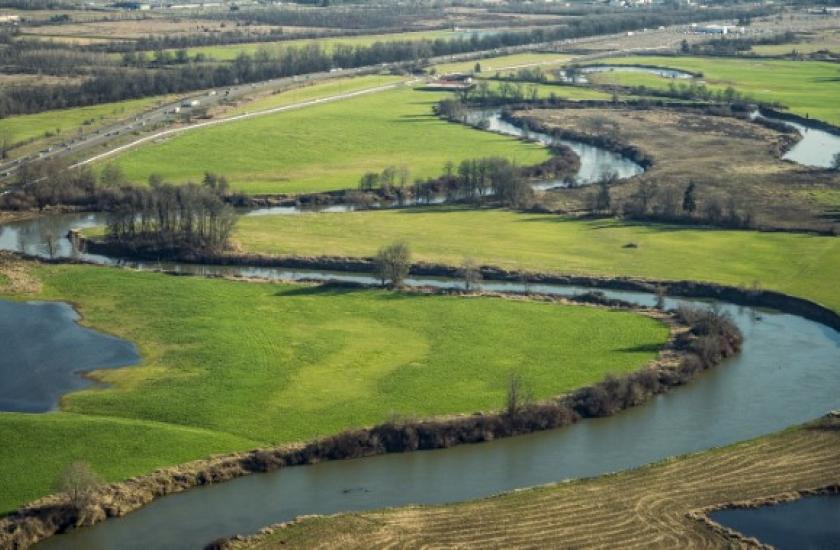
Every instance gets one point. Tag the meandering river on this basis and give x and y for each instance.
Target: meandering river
(787, 373)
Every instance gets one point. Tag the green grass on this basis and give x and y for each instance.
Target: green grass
(317, 90)
(230, 365)
(804, 265)
(24, 127)
(573, 93)
(325, 147)
(37, 447)
(807, 87)
(229, 53)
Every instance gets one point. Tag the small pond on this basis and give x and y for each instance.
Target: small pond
(808, 523)
(44, 352)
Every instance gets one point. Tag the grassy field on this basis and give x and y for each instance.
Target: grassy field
(573, 93)
(810, 43)
(229, 53)
(643, 508)
(65, 122)
(318, 89)
(306, 361)
(806, 87)
(803, 265)
(325, 147)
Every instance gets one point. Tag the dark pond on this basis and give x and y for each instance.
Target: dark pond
(44, 350)
(810, 523)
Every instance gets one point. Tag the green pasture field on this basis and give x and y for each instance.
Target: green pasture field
(233, 365)
(323, 88)
(325, 147)
(544, 91)
(799, 264)
(807, 88)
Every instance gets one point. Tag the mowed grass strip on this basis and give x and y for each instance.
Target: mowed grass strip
(232, 365)
(325, 147)
(804, 265)
(807, 88)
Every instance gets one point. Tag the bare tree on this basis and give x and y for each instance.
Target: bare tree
(393, 263)
(51, 243)
(517, 395)
(78, 482)
(661, 293)
(470, 272)
(6, 142)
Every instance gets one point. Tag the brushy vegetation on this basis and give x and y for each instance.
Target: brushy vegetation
(803, 265)
(307, 362)
(325, 147)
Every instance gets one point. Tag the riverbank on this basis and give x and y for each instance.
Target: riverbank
(754, 296)
(652, 506)
(361, 357)
(680, 360)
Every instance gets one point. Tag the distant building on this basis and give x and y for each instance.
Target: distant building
(718, 29)
(452, 81)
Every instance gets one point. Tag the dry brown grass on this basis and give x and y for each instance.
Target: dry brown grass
(643, 508)
(138, 28)
(12, 80)
(15, 275)
(722, 155)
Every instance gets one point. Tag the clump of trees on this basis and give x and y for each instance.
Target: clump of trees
(471, 180)
(173, 219)
(668, 203)
(393, 263)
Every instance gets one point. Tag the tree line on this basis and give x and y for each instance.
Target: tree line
(108, 82)
(472, 180)
(651, 201)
